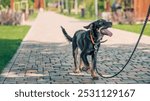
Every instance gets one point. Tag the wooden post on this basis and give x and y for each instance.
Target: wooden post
(12, 4)
(140, 8)
(36, 4)
(41, 3)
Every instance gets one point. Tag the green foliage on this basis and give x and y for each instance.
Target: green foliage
(46, 2)
(33, 16)
(5, 3)
(90, 7)
(31, 3)
(101, 5)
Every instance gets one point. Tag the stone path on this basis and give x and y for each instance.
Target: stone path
(45, 57)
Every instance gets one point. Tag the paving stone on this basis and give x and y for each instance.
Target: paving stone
(60, 82)
(2, 80)
(31, 71)
(42, 81)
(40, 69)
(10, 81)
(21, 82)
(57, 77)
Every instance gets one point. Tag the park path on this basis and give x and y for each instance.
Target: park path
(46, 28)
(45, 56)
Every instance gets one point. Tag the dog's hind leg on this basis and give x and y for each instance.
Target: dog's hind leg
(75, 53)
(81, 64)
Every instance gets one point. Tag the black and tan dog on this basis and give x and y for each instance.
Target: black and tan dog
(88, 42)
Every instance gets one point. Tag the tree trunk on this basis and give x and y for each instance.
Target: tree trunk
(76, 6)
(96, 9)
(12, 4)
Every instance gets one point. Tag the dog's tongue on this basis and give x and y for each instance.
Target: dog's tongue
(106, 32)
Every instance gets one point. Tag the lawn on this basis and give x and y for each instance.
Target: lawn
(134, 28)
(33, 16)
(10, 39)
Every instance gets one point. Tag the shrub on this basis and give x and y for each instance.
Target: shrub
(5, 3)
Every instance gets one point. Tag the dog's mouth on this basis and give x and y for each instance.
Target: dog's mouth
(106, 32)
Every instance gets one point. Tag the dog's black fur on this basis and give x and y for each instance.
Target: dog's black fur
(82, 40)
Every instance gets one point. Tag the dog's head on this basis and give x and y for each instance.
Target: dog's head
(100, 26)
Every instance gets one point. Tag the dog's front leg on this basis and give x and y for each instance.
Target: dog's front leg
(93, 70)
(85, 61)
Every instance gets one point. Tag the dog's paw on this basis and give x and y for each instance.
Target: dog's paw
(85, 69)
(76, 71)
(95, 78)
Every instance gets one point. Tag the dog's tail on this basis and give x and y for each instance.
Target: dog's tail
(66, 34)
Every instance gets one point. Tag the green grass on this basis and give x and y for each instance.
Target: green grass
(33, 16)
(134, 28)
(10, 39)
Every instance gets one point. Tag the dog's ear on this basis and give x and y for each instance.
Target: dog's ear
(90, 26)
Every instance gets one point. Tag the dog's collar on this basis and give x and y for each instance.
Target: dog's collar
(92, 39)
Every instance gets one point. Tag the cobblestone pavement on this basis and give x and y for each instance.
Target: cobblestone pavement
(53, 63)
(41, 62)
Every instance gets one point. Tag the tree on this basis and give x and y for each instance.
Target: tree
(90, 7)
(69, 6)
(31, 3)
(5, 3)
(46, 2)
(76, 6)
(101, 5)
